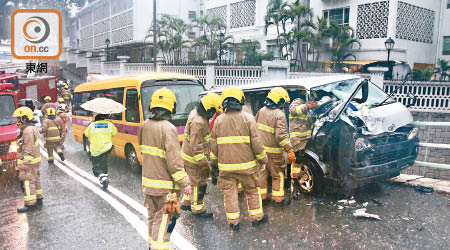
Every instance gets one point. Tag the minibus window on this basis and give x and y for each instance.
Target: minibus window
(132, 105)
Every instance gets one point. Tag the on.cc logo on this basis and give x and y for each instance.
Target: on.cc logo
(36, 29)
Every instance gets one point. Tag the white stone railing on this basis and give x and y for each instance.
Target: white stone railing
(131, 68)
(295, 75)
(431, 96)
(197, 71)
(94, 65)
(237, 75)
(111, 68)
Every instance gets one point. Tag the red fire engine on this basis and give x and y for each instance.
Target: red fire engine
(8, 127)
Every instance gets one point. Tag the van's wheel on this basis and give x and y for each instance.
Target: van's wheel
(310, 180)
(132, 159)
(86, 145)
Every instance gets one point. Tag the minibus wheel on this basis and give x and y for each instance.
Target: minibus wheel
(132, 159)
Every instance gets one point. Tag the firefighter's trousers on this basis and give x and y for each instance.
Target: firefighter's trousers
(276, 168)
(26, 177)
(198, 184)
(158, 222)
(100, 163)
(36, 171)
(52, 146)
(229, 185)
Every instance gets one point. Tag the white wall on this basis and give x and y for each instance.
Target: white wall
(444, 30)
(374, 49)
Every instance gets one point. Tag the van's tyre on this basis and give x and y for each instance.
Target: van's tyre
(132, 159)
(310, 180)
(86, 145)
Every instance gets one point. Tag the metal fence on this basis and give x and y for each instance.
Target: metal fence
(237, 75)
(431, 96)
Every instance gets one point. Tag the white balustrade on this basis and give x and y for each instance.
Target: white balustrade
(197, 71)
(237, 75)
(131, 68)
(431, 96)
(111, 68)
(295, 75)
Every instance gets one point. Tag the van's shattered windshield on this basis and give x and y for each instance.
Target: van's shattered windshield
(341, 91)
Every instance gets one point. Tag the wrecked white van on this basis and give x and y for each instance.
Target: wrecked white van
(361, 135)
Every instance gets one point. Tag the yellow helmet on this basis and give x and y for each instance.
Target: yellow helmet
(24, 113)
(66, 86)
(233, 92)
(279, 96)
(61, 100)
(212, 100)
(164, 98)
(50, 111)
(48, 98)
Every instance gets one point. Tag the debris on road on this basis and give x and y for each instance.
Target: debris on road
(441, 186)
(361, 213)
(379, 203)
(423, 189)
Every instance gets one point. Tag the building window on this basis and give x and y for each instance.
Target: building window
(448, 4)
(191, 35)
(340, 15)
(446, 46)
(192, 15)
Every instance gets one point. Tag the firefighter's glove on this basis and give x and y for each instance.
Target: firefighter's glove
(311, 104)
(172, 205)
(205, 170)
(187, 190)
(214, 174)
(291, 157)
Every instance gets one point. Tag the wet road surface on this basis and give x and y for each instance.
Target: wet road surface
(74, 217)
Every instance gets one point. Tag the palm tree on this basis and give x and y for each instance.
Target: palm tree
(301, 15)
(343, 41)
(443, 69)
(277, 14)
(424, 74)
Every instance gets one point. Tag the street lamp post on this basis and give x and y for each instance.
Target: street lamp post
(220, 36)
(107, 42)
(389, 44)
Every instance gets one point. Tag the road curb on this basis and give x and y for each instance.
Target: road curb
(440, 186)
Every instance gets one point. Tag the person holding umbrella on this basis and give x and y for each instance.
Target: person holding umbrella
(100, 133)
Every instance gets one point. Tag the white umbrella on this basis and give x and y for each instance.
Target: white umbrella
(103, 105)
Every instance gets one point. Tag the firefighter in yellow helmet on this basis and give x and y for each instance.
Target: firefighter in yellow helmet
(236, 148)
(272, 126)
(66, 95)
(48, 104)
(52, 128)
(300, 129)
(163, 174)
(29, 159)
(100, 133)
(195, 150)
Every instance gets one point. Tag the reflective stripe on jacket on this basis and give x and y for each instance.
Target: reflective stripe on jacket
(162, 164)
(236, 144)
(196, 140)
(99, 134)
(52, 129)
(272, 127)
(29, 152)
(300, 125)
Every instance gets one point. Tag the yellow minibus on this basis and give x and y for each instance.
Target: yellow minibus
(134, 92)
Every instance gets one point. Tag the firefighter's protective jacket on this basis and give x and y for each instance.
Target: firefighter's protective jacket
(28, 147)
(196, 140)
(300, 125)
(236, 144)
(65, 93)
(52, 129)
(99, 134)
(272, 127)
(162, 164)
(47, 106)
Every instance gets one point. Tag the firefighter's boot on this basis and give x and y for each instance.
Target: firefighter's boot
(234, 227)
(204, 215)
(25, 209)
(285, 202)
(104, 181)
(39, 202)
(61, 155)
(261, 221)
